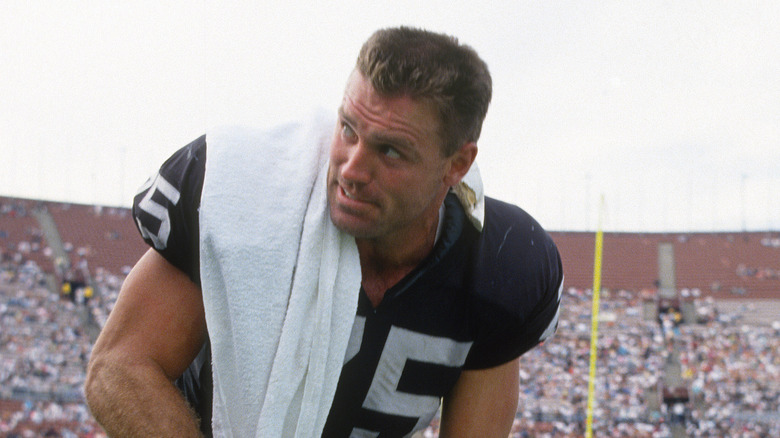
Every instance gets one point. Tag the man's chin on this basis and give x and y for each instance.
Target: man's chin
(354, 231)
(352, 226)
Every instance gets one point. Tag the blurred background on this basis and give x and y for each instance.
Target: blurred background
(669, 112)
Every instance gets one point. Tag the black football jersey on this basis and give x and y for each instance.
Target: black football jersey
(480, 299)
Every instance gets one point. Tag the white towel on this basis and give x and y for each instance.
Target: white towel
(280, 283)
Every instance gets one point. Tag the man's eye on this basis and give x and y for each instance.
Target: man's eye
(390, 151)
(347, 131)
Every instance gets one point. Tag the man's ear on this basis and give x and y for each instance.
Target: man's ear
(460, 163)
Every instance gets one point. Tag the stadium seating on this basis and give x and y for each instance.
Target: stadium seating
(722, 265)
(727, 362)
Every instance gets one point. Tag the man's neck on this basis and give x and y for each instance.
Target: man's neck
(384, 262)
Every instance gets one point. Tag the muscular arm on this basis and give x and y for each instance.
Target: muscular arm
(482, 403)
(153, 333)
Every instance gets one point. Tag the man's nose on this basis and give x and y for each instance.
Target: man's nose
(358, 167)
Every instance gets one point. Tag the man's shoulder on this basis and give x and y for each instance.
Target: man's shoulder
(186, 164)
(515, 259)
(165, 208)
(510, 228)
(513, 282)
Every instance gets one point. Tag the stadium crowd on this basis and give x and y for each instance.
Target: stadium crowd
(731, 366)
(44, 348)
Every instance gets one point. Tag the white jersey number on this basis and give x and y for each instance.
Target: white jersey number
(147, 204)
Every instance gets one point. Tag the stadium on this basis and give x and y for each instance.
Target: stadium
(670, 111)
(688, 328)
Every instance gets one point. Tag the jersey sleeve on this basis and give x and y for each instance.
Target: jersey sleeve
(165, 208)
(517, 282)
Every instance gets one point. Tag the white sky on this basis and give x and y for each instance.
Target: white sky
(669, 110)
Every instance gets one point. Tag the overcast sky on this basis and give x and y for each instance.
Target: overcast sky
(670, 111)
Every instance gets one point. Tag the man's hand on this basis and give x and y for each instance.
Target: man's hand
(482, 403)
(153, 333)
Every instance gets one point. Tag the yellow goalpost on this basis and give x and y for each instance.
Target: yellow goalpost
(594, 330)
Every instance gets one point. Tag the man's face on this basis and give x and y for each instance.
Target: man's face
(387, 174)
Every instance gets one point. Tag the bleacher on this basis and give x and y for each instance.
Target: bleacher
(103, 236)
(20, 232)
(722, 265)
(718, 264)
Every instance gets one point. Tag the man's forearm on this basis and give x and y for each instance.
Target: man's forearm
(137, 400)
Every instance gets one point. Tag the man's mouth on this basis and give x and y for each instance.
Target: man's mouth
(352, 198)
(347, 194)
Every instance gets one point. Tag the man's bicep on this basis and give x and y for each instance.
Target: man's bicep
(482, 403)
(158, 317)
